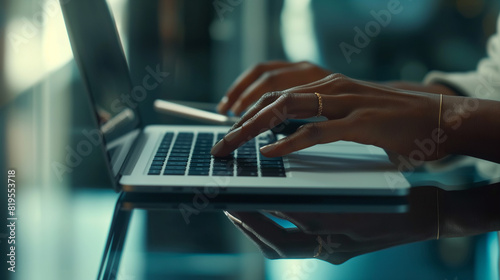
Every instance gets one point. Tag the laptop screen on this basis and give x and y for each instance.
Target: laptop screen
(100, 58)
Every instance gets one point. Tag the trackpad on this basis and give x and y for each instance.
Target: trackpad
(340, 157)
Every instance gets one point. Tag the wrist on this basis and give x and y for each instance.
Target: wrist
(470, 127)
(470, 212)
(424, 213)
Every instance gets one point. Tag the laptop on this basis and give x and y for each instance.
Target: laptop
(176, 158)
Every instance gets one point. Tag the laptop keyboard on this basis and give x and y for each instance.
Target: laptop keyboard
(181, 157)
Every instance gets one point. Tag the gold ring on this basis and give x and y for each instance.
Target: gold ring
(320, 104)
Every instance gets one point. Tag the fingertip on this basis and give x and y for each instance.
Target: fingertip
(236, 109)
(222, 106)
(270, 150)
(221, 109)
(216, 149)
(266, 149)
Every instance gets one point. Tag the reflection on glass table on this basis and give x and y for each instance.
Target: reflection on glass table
(181, 239)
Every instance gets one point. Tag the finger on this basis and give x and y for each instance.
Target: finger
(309, 135)
(287, 244)
(244, 81)
(288, 106)
(329, 223)
(275, 80)
(323, 85)
(263, 102)
(284, 107)
(266, 250)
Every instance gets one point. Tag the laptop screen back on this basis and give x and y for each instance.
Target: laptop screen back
(100, 58)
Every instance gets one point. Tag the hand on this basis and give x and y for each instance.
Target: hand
(396, 120)
(341, 236)
(267, 77)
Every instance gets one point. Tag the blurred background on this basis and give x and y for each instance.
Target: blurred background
(203, 45)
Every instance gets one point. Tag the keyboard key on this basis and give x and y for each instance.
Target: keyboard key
(183, 159)
(200, 164)
(199, 152)
(247, 173)
(205, 134)
(247, 168)
(273, 174)
(200, 156)
(181, 151)
(161, 158)
(172, 154)
(198, 173)
(156, 167)
(277, 166)
(175, 167)
(177, 163)
(219, 169)
(160, 154)
(157, 162)
(246, 163)
(247, 156)
(199, 168)
(222, 173)
(154, 172)
(185, 134)
(182, 145)
(201, 160)
(174, 172)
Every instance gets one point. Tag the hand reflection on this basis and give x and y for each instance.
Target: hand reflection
(338, 237)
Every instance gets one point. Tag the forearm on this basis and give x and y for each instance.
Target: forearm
(469, 212)
(471, 127)
(431, 88)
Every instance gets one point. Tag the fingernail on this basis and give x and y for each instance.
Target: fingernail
(216, 148)
(231, 135)
(222, 104)
(228, 138)
(267, 148)
(236, 109)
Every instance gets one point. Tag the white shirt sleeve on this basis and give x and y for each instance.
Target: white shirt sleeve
(483, 83)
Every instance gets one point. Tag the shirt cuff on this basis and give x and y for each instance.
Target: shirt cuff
(464, 83)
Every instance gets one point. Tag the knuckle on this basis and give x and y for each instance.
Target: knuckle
(270, 97)
(287, 99)
(305, 64)
(338, 81)
(337, 76)
(269, 76)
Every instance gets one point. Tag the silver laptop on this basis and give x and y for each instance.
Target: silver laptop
(170, 158)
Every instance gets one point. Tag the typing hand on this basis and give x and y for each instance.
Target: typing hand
(267, 77)
(338, 237)
(395, 120)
